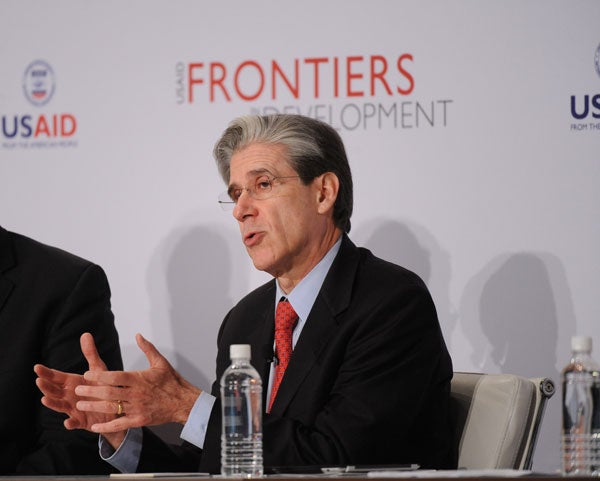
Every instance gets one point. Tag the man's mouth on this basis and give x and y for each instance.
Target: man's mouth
(251, 238)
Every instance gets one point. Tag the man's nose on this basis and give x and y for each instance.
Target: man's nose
(243, 206)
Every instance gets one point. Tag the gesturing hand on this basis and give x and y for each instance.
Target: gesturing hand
(156, 395)
(59, 388)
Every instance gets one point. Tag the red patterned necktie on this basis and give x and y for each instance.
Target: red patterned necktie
(285, 321)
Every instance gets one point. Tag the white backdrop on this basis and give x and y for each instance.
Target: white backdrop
(472, 128)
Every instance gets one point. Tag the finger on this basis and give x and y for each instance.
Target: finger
(119, 424)
(155, 358)
(103, 407)
(105, 393)
(111, 378)
(42, 371)
(71, 423)
(88, 347)
(49, 374)
(49, 388)
(58, 405)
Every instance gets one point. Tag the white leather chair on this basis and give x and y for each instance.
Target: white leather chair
(497, 418)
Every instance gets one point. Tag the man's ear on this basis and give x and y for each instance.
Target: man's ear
(328, 188)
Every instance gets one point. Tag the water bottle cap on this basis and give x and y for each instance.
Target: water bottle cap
(581, 343)
(239, 351)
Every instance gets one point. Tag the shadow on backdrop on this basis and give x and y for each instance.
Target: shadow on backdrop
(511, 312)
(413, 247)
(188, 282)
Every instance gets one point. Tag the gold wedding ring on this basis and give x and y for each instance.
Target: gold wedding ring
(120, 409)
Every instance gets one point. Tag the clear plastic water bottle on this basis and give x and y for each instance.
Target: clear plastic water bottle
(578, 383)
(241, 401)
(595, 420)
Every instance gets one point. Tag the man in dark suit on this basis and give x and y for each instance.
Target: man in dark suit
(48, 298)
(369, 377)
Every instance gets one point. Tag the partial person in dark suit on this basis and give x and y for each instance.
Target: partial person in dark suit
(369, 378)
(48, 298)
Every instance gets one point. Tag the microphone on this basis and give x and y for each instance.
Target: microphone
(269, 355)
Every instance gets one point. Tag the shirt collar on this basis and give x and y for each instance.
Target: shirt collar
(305, 293)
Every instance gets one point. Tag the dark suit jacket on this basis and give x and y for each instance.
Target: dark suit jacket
(368, 381)
(48, 298)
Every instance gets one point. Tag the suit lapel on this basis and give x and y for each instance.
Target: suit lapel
(265, 339)
(333, 299)
(7, 261)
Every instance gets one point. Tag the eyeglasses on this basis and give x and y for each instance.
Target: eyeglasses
(262, 188)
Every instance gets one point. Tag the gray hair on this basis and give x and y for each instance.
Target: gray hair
(313, 147)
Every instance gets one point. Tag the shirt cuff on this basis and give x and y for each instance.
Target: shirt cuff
(127, 456)
(195, 428)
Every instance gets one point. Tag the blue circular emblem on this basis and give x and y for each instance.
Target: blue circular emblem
(38, 83)
(597, 60)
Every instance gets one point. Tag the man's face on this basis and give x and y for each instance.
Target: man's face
(282, 232)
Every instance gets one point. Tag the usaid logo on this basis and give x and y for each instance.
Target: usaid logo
(38, 83)
(585, 108)
(42, 128)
